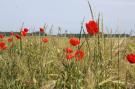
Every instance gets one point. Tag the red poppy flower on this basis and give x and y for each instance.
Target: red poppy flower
(92, 27)
(42, 30)
(131, 58)
(79, 55)
(23, 33)
(18, 36)
(69, 56)
(3, 46)
(9, 40)
(11, 33)
(1, 36)
(45, 40)
(26, 30)
(74, 41)
(68, 50)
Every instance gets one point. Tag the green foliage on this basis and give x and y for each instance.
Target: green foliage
(44, 65)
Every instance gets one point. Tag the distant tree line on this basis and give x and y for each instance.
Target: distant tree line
(69, 35)
(33, 33)
(105, 35)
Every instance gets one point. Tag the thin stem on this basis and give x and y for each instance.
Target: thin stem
(91, 10)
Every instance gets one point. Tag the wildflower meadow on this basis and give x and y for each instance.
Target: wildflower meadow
(91, 60)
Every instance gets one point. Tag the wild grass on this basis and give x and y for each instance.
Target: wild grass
(31, 64)
(44, 66)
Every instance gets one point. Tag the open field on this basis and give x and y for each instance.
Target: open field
(32, 64)
(67, 44)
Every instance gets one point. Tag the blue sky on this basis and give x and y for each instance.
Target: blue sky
(68, 14)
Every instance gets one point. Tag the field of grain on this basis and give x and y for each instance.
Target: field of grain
(89, 60)
(32, 64)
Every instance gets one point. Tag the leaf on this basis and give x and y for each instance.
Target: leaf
(106, 81)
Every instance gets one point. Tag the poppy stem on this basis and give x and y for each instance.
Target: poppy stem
(118, 62)
(21, 40)
(40, 41)
(80, 35)
(91, 10)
